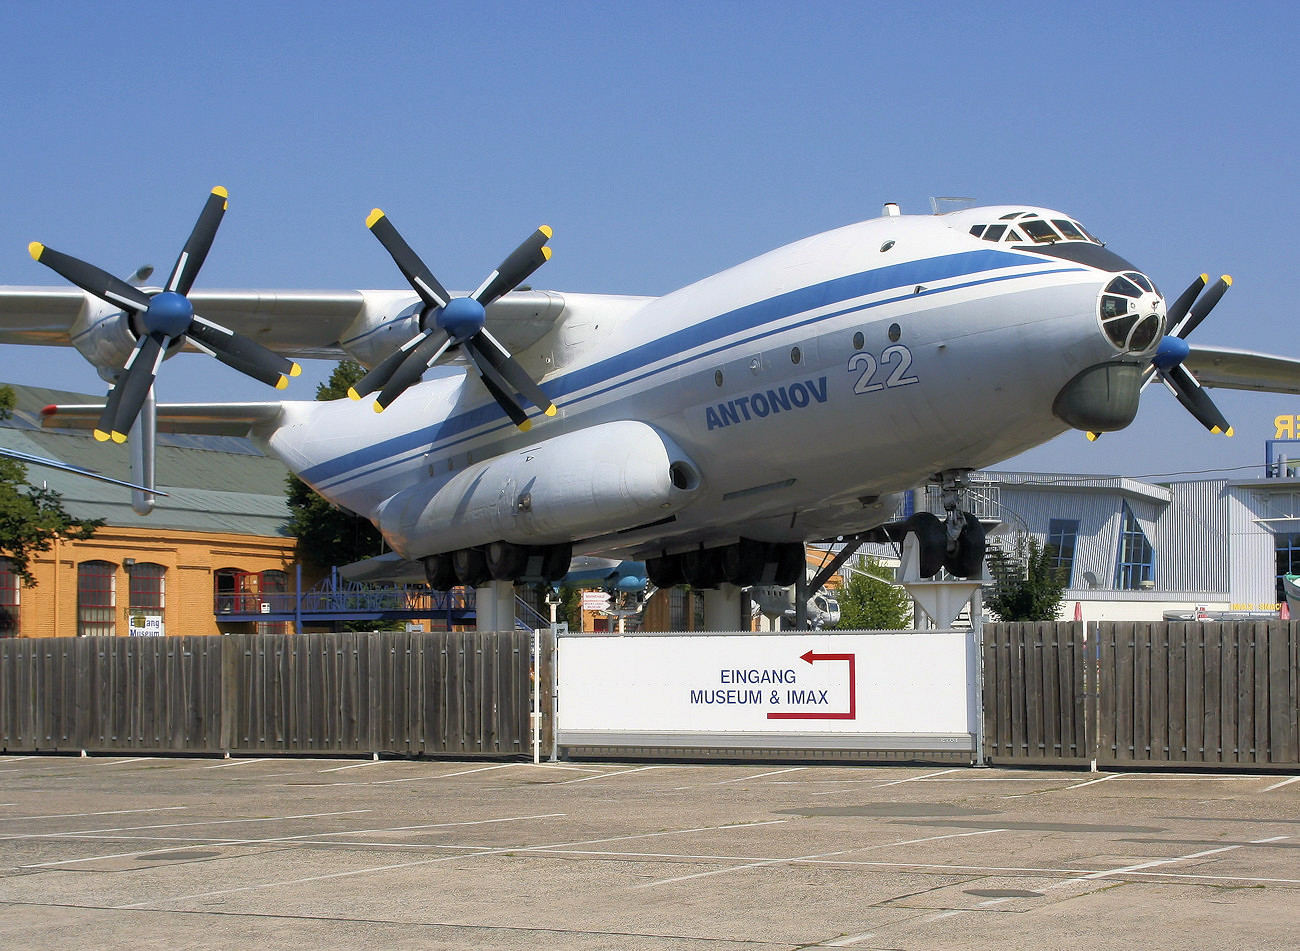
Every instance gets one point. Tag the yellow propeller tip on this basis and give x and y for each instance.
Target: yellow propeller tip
(546, 230)
(219, 190)
(377, 406)
(1205, 278)
(550, 411)
(547, 252)
(35, 249)
(1227, 279)
(353, 394)
(1229, 432)
(1216, 430)
(101, 436)
(119, 438)
(282, 383)
(374, 216)
(295, 370)
(525, 426)
(1092, 437)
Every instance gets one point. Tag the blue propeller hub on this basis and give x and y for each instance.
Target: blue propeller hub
(462, 318)
(1171, 352)
(169, 314)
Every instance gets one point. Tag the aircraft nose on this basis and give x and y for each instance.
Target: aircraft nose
(1132, 313)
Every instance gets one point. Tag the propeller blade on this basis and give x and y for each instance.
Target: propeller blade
(1204, 305)
(91, 279)
(407, 261)
(382, 372)
(104, 428)
(1197, 402)
(521, 262)
(137, 378)
(514, 374)
(1178, 309)
(497, 386)
(244, 355)
(196, 248)
(412, 367)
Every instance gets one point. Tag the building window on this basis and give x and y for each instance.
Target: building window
(1287, 545)
(8, 599)
(96, 599)
(273, 583)
(1136, 557)
(1062, 533)
(146, 597)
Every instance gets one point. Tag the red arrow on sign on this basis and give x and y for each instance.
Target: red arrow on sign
(852, 714)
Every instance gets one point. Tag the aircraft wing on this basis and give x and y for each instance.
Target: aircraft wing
(1244, 370)
(297, 324)
(211, 419)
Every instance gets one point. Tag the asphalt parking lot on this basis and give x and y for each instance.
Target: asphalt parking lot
(119, 852)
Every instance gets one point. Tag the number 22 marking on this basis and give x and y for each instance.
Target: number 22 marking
(898, 357)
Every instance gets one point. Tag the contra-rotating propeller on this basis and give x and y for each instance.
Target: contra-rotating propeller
(447, 322)
(1185, 315)
(162, 318)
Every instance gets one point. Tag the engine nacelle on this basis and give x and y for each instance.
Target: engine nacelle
(604, 478)
(102, 334)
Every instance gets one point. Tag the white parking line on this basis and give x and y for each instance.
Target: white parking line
(913, 779)
(1285, 782)
(847, 940)
(236, 762)
(1159, 862)
(1093, 782)
(178, 825)
(744, 779)
(87, 815)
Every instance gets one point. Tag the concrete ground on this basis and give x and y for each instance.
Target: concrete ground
(126, 852)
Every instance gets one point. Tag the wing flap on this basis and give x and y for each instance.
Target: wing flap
(1227, 368)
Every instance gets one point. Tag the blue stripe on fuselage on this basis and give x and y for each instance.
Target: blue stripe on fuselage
(751, 316)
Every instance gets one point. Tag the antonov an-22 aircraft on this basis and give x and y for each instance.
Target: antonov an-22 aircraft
(709, 432)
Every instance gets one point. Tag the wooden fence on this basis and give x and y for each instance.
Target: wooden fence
(410, 694)
(1125, 694)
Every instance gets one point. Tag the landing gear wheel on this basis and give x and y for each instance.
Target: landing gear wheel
(506, 562)
(440, 574)
(702, 567)
(742, 563)
(555, 562)
(968, 560)
(791, 564)
(471, 567)
(932, 541)
(665, 571)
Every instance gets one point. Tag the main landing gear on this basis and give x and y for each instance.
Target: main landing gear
(744, 563)
(956, 541)
(499, 561)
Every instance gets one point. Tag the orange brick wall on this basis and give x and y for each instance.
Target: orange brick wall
(50, 608)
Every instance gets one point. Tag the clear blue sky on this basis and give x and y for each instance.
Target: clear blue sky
(662, 142)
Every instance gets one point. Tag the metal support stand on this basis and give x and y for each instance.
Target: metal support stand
(494, 607)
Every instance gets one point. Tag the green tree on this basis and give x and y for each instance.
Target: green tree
(1027, 584)
(870, 603)
(31, 517)
(329, 536)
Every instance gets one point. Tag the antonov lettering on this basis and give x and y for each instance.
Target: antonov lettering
(765, 403)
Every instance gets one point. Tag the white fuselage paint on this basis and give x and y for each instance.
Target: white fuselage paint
(755, 375)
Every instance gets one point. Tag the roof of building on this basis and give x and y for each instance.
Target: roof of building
(214, 483)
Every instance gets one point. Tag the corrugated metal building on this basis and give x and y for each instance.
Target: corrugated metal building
(1135, 550)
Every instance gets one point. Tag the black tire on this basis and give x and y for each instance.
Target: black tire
(702, 567)
(440, 574)
(505, 561)
(742, 563)
(665, 571)
(968, 560)
(932, 541)
(790, 563)
(471, 567)
(555, 562)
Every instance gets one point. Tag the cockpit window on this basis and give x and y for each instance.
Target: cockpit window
(994, 232)
(1068, 229)
(1040, 231)
(1122, 285)
(977, 230)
